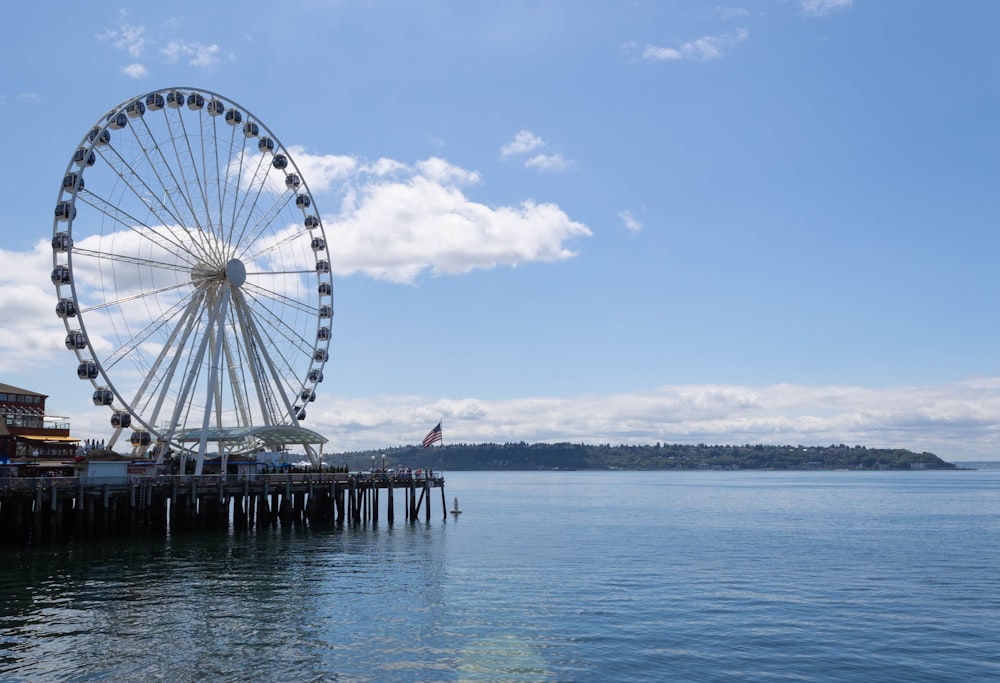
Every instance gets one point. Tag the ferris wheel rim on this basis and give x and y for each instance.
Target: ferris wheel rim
(205, 270)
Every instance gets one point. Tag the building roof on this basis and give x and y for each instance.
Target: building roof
(11, 389)
(286, 435)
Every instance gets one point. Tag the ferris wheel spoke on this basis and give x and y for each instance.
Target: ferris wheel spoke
(135, 297)
(282, 272)
(210, 173)
(265, 396)
(134, 260)
(213, 403)
(283, 329)
(144, 335)
(163, 240)
(164, 172)
(143, 191)
(279, 329)
(222, 179)
(156, 386)
(200, 177)
(268, 375)
(236, 159)
(195, 361)
(258, 291)
(237, 382)
(274, 246)
(252, 234)
(187, 165)
(244, 213)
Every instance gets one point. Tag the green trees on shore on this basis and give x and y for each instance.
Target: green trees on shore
(568, 456)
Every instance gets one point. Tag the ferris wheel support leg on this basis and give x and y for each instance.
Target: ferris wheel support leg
(314, 457)
(219, 319)
(114, 438)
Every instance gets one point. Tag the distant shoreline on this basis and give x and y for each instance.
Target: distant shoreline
(567, 456)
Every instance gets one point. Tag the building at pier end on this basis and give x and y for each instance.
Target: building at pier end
(29, 437)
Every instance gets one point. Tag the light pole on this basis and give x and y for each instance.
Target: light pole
(373, 463)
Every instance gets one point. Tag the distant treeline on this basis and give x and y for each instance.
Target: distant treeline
(570, 456)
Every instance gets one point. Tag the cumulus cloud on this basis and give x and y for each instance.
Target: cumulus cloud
(525, 142)
(956, 421)
(131, 39)
(135, 71)
(396, 221)
(195, 54)
(31, 331)
(702, 49)
(820, 8)
(630, 222)
(547, 162)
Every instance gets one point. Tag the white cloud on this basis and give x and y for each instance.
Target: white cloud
(706, 48)
(32, 332)
(820, 8)
(525, 141)
(547, 162)
(322, 172)
(396, 222)
(196, 54)
(130, 38)
(135, 71)
(630, 222)
(955, 421)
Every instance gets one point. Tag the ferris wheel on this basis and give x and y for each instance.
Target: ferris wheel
(193, 276)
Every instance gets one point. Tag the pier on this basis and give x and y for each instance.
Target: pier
(41, 510)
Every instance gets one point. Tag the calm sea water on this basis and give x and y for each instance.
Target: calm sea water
(548, 576)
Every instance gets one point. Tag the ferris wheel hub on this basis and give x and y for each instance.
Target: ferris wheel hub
(236, 272)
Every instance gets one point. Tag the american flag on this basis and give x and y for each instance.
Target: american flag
(433, 435)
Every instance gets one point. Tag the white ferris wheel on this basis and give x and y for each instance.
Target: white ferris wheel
(193, 277)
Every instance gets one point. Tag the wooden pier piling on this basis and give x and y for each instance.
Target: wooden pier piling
(36, 511)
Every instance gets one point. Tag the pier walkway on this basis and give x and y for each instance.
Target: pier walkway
(38, 510)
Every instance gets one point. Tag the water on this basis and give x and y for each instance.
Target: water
(561, 576)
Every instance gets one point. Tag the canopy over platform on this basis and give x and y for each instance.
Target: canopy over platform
(281, 435)
(49, 439)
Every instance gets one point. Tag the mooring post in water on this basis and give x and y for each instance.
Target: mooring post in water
(427, 505)
(444, 505)
(351, 505)
(37, 532)
(389, 513)
(338, 501)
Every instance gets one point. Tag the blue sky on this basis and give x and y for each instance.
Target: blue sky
(606, 222)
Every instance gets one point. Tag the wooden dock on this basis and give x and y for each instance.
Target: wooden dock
(39, 510)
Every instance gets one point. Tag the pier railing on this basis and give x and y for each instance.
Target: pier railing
(381, 479)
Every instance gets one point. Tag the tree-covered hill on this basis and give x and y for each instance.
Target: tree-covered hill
(568, 456)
